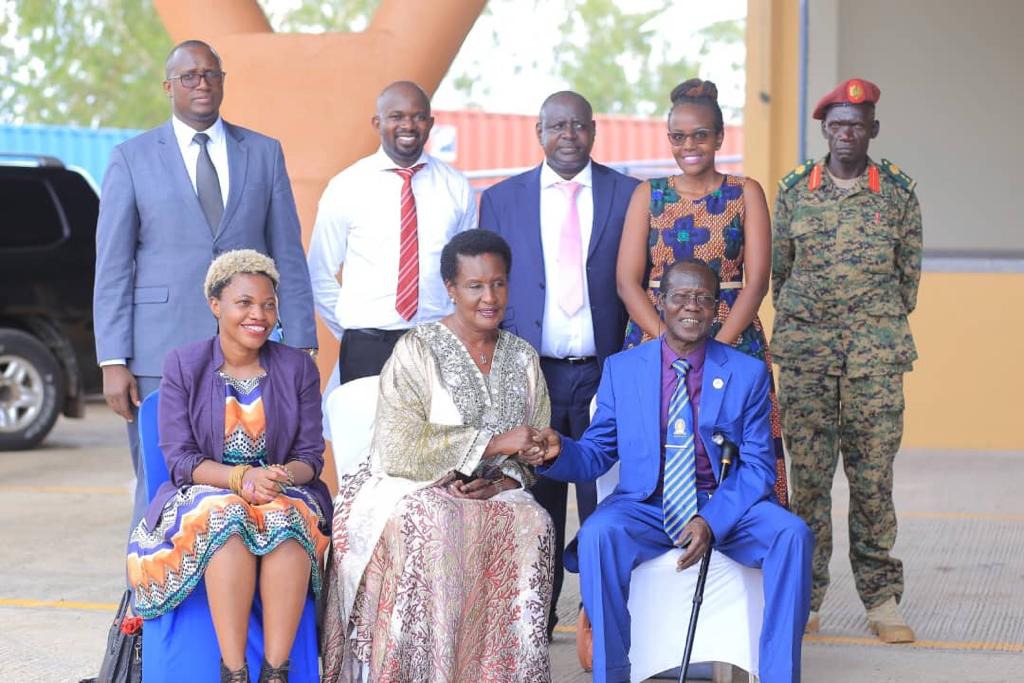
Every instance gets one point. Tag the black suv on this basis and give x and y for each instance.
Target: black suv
(47, 262)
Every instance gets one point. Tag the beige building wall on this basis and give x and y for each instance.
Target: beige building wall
(951, 99)
(952, 96)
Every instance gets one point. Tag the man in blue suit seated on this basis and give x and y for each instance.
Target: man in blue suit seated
(647, 403)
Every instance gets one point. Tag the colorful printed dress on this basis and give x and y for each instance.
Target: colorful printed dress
(166, 563)
(709, 229)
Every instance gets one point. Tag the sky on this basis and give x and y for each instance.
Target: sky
(521, 72)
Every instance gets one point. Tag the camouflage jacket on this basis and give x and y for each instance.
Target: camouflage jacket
(845, 270)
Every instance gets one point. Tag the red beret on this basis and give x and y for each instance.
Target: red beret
(853, 91)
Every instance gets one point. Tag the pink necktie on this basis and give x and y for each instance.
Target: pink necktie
(570, 254)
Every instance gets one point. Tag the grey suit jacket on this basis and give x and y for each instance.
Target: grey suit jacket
(153, 245)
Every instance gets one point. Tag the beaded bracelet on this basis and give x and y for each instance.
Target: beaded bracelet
(236, 476)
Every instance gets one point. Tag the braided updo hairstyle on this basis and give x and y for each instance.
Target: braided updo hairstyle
(697, 91)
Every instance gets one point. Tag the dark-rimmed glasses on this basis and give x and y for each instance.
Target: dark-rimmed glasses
(190, 80)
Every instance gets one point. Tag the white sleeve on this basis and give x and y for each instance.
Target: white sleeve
(327, 248)
(468, 221)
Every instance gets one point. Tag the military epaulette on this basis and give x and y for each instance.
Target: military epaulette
(794, 176)
(898, 176)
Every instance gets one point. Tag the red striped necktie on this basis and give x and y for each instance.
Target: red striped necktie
(407, 295)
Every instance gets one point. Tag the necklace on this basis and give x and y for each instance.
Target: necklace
(483, 359)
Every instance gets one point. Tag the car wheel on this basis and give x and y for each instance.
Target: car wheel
(31, 390)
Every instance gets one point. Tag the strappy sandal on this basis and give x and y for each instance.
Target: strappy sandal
(274, 674)
(229, 676)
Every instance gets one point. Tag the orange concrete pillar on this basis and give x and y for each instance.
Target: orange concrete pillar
(316, 92)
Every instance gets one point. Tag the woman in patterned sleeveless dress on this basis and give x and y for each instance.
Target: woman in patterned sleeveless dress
(701, 214)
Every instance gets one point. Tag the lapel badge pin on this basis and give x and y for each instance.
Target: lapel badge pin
(718, 383)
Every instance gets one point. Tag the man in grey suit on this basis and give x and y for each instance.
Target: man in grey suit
(173, 199)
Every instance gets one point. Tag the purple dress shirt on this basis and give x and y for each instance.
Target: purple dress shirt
(694, 379)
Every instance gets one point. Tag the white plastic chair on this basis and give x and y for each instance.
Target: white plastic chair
(729, 627)
(348, 416)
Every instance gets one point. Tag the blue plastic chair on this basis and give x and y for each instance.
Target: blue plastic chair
(182, 645)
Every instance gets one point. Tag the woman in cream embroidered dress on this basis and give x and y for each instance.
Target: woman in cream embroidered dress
(442, 563)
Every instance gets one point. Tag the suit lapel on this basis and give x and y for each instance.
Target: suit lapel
(648, 391)
(713, 388)
(238, 166)
(218, 398)
(531, 213)
(174, 167)
(602, 194)
(271, 418)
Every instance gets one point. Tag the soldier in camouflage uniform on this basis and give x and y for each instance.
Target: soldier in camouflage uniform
(846, 261)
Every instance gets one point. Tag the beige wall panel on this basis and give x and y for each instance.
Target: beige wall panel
(949, 71)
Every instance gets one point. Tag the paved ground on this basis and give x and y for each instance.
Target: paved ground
(65, 508)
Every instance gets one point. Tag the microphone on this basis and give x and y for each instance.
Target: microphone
(730, 451)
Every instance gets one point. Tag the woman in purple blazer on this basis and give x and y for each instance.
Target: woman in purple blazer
(240, 428)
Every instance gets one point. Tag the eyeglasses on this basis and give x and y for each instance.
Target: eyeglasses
(699, 136)
(681, 299)
(190, 80)
(562, 126)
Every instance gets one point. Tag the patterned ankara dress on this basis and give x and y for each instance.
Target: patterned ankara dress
(425, 587)
(166, 563)
(709, 229)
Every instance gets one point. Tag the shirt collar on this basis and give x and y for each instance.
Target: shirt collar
(383, 162)
(184, 133)
(695, 358)
(548, 177)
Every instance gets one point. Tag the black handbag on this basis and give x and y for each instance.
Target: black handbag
(122, 660)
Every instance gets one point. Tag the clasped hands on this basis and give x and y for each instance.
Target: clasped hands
(261, 485)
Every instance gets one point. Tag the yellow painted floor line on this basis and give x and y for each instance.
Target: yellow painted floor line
(58, 604)
(929, 644)
(65, 489)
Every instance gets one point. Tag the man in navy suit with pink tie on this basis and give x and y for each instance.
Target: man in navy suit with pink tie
(563, 220)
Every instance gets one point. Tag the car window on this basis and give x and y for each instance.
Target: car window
(30, 217)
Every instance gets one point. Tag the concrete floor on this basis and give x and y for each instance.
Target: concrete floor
(65, 509)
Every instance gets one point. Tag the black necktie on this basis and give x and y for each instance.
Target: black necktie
(208, 184)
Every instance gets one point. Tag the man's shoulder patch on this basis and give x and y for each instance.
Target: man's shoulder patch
(794, 176)
(897, 175)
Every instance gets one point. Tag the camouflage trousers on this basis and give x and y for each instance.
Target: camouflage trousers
(861, 418)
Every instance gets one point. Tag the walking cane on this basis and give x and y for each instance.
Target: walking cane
(729, 453)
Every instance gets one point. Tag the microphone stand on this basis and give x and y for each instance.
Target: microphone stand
(730, 452)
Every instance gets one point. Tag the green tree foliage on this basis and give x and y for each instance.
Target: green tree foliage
(608, 53)
(82, 62)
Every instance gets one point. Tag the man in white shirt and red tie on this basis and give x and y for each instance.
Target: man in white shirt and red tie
(382, 222)
(563, 220)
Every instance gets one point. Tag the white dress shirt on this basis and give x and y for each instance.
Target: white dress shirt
(217, 146)
(562, 335)
(358, 225)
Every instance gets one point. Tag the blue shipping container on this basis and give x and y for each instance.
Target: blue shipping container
(86, 148)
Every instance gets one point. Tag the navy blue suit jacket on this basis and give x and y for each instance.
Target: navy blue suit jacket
(512, 209)
(627, 428)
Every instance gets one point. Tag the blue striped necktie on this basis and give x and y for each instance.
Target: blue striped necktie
(679, 502)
